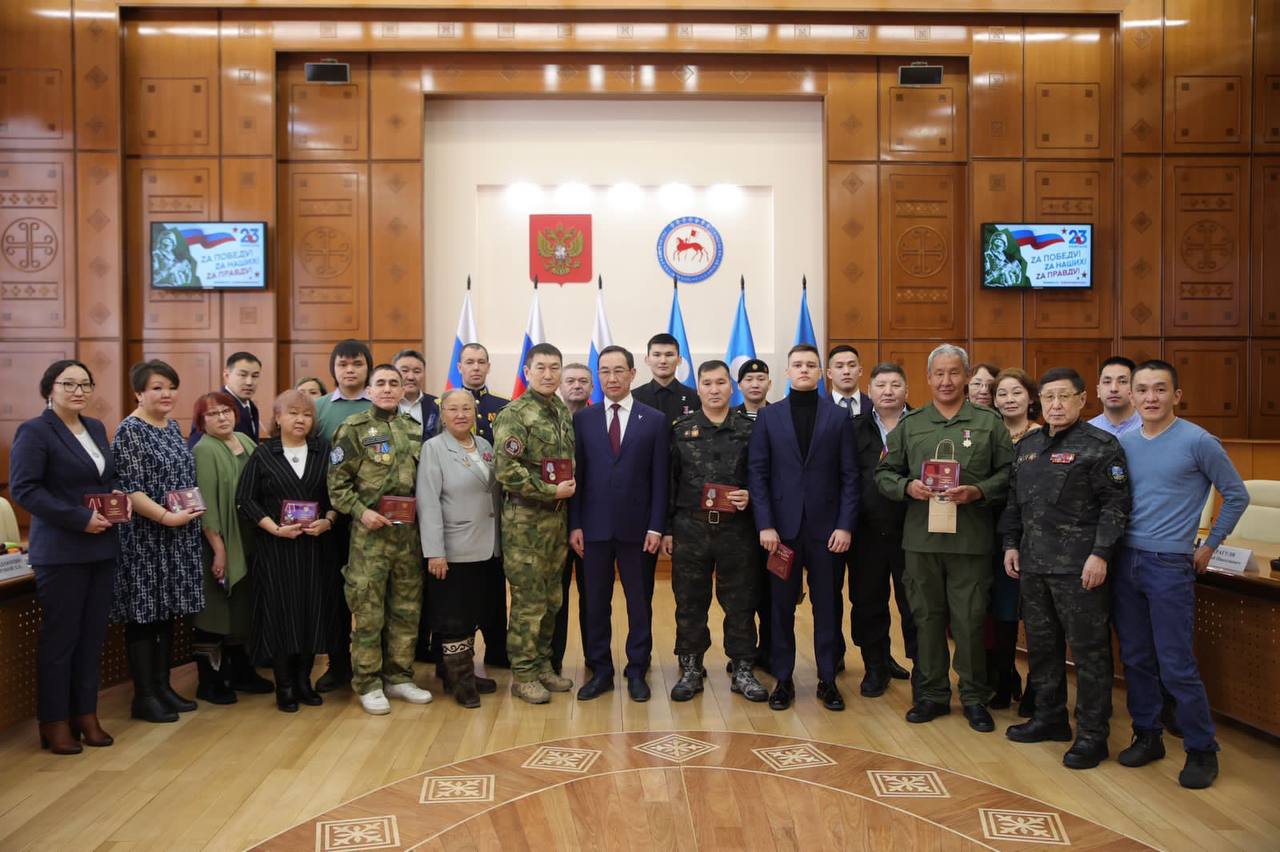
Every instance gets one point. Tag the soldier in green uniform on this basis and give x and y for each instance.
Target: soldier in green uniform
(375, 454)
(533, 429)
(948, 574)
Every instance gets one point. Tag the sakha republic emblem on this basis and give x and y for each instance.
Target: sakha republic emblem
(560, 247)
(690, 249)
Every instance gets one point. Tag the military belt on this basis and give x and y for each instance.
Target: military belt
(715, 517)
(527, 503)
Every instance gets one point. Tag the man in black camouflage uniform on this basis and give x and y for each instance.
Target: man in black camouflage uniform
(710, 447)
(1068, 507)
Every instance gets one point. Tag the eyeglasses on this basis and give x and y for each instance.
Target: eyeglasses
(219, 412)
(1051, 398)
(72, 387)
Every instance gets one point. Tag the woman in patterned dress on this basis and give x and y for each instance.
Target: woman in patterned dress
(159, 578)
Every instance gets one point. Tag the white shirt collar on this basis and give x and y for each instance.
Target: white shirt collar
(836, 396)
(337, 395)
(624, 404)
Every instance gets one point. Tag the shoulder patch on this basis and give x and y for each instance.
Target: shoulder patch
(1117, 473)
(513, 447)
(336, 455)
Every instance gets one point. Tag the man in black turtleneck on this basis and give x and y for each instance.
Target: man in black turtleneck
(803, 479)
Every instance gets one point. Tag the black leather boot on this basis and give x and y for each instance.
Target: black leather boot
(286, 694)
(146, 705)
(338, 674)
(1145, 747)
(244, 677)
(161, 664)
(301, 670)
(691, 675)
(212, 686)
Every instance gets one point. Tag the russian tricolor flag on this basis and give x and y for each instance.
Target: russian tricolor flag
(533, 335)
(197, 237)
(600, 338)
(1036, 241)
(466, 334)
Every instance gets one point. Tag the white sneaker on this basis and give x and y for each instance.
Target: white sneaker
(410, 692)
(375, 703)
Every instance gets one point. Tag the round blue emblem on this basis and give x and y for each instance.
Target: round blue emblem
(690, 249)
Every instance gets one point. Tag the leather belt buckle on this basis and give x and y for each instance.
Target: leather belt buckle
(713, 517)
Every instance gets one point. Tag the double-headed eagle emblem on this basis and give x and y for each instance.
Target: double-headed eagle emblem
(560, 248)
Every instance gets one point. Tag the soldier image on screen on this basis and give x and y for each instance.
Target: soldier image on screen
(171, 262)
(1002, 263)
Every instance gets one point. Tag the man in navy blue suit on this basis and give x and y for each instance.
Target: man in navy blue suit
(803, 478)
(618, 515)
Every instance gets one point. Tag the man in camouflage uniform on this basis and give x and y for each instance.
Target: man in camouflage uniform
(710, 446)
(375, 454)
(531, 430)
(1067, 511)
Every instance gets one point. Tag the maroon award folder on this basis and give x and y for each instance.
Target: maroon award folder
(940, 474)
(556, 471)
(398, 510)
(113, 507)
(780, 561)
(715, 497)
(303, 512)
(184, 498)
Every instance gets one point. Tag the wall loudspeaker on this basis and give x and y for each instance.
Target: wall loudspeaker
(919, 74)
(329, 71)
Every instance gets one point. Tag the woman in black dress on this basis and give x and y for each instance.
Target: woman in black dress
(289, 563)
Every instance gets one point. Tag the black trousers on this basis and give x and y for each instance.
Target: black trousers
(560, 638)
(75, 601)
(876, 560)
(340, 630)
(493, 612)
(811, 555)
(764, 605)
(456, 602)
(726, 550)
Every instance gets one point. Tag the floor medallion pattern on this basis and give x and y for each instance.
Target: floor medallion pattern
(693, 790)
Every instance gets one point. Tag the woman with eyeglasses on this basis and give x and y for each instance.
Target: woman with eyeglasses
(982, 384)
(59, 467)
(222, 627)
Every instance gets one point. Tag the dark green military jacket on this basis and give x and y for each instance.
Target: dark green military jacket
(702, 452)
(982, 447)
(375, 453)
(525, 433)
(1068, 498)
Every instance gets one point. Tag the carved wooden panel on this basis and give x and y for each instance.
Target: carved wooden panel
(913, 356)
(853, 296)
(198, 364)
(396, 103)
(97, 80)
(298, 361)
(1140, 233)
(1207, 76)
(1141, 80)
(323, 251)
(923, 251)
(106, 360)
(323, 121)
(924, 123)
(1074, 193)
(248, 84)
(1264, 406)
(850, 106)
(1214, 378)
(100, 244)
(396, 250)
(35, 74)
(1265, 256)
(171, 83)
(167, 190)
(1266, 78)
(37, 250)
(249, 194)
(1002, 353)
(21, 365)
(1070, 91)
(996, 68)
(1269, 111)
(1139, 349)
(1206, 256)
(1086, 356)
(996, 196)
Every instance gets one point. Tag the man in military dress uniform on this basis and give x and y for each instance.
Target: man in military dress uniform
(1068, 506)
(710, 447)
(948, 574)
(474, 366)
(375, 455)
(535, 536)
(666, 393)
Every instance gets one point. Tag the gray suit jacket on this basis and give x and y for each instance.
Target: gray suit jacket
(458, 502)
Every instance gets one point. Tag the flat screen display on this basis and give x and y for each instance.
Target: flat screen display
(1036, 256)
(209, 255)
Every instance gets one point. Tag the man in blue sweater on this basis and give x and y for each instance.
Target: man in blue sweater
(1173, 464)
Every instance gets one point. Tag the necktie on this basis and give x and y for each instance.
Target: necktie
(615, 429)
(845, 402)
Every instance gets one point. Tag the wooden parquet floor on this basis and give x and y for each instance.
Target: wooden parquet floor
(228, 778)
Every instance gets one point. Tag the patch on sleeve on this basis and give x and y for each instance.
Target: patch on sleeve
(513, 447)
(1117, 473)
(336, 455)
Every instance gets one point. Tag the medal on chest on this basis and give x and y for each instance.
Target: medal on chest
(967, 436)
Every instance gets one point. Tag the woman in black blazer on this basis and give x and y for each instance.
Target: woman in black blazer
(57, 460)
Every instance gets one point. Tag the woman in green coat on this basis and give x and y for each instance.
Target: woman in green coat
(222, 627)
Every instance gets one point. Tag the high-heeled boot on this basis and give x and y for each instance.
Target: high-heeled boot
(87, 727)
(57, 738)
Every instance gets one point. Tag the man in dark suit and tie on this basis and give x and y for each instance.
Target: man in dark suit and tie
(240, 379)
(803, 479)
(844, 371)
(618, 515)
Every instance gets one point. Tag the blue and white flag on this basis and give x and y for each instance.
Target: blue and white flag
(533, 335)
(600, 338)
(675, 328)
(742, 348)
(466, 334)
(804, 331)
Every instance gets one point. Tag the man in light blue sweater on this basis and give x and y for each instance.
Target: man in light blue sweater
(1173, 464)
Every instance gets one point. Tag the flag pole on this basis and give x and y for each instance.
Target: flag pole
(742, 283)
(599, 282)
(468, 283)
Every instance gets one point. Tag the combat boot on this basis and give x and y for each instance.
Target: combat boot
(745, 683)
(1146, 747)
(691, 675)
(554, 682)
(530, 691)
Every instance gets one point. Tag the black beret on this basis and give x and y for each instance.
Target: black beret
(755, 365)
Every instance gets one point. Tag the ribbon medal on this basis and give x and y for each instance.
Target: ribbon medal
(968, 439)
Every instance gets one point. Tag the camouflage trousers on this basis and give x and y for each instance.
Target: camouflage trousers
(534, 543)
(729, 551)
(383, 588)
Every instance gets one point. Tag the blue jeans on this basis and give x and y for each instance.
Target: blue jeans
(1154, 600)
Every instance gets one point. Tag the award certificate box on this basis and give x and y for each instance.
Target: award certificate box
(715, 497)
(940, 474)
(556, 471)
(184, 498)
(113, 507)
(780, 561)
(303, 512)
(398, 510)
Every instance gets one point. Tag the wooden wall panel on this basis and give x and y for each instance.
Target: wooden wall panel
(913, 355)
(1214, 379)
(1074, 193)
(268, 385)
(97, 82)
(302, 360)
(1002, 353)
(923, 273)
(1207, 76)
(996, 109)
(1206, 259)
(1265, 254)
(322, 121)
(851, 105)
(171, 83)
(1266, 78)
(924, 123)
(384, 350)
(248, 84)
(105, 359)
(35, 75)
(853, 296)
(100, 238)
(199, 368)
(396, 104)
(396, 250)
(21, 364)
(1141, 77)
(37, 245)
(1069, 91)
(996, 196)
(167, 190)
(1141, 213)
(1264, 406)
(323, 259)
(1086, 356)
(249, 194)
(1139, 349)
